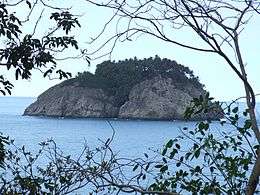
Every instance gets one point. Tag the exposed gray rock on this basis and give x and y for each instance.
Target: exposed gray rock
(158, 98)
(73, 101)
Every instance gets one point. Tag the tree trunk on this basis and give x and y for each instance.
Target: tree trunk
(254, 176)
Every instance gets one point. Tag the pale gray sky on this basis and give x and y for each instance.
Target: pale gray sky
(218, 78)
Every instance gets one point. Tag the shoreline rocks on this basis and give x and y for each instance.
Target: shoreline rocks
(72, 101)
(154, 99)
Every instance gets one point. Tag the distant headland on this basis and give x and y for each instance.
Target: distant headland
(152, 88)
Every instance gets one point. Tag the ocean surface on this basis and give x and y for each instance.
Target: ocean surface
(132, 138)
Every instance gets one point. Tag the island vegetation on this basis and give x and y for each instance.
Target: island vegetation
(147, 89)
(118, 78)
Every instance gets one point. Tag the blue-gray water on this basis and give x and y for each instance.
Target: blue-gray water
(132, 138)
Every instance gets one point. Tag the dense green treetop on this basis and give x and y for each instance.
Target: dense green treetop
(118, 78)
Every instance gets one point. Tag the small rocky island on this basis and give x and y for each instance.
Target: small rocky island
(152, 88)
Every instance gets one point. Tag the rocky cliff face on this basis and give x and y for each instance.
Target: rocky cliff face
(72, 101)
(157, 98)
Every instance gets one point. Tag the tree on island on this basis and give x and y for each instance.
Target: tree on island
(226, 164)
(118, 78)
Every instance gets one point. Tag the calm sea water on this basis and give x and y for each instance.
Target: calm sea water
(132, 138)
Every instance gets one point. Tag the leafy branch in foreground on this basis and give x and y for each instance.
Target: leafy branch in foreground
(96, 170)
(211, 157)
(23, 51)
(215, 157)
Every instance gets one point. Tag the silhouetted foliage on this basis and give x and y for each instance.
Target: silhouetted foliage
(22, 52)
(206, 158)
(216, 160)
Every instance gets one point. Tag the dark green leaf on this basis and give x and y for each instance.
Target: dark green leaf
(29, 4)
(235, 110)
(135, 167)
(164, 168)
(158, 166)
(197, 153)
(164, 151)
(169, 143)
